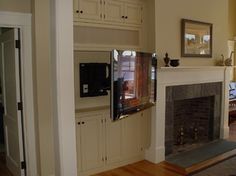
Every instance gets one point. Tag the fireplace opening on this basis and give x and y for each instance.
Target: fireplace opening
(193, 123)
(192, 116)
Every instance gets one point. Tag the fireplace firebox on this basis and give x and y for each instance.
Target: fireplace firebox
(192, 116)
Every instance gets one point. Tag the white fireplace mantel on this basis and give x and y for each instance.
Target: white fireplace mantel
(169, 76)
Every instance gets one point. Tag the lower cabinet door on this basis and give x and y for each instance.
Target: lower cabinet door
(113, 141)
(91, 142)
(145, 126)
(131, 136)
(78, 145)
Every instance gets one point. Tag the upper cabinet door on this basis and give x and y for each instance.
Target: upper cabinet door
(114, 11)
(88, 9)
(133, 13)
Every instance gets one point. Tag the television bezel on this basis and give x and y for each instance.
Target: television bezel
(137, 109)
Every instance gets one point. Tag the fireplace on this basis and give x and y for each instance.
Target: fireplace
(192, 116)
(187, 83)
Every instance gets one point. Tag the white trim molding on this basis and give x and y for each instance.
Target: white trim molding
(23, 21)
(184, 76)
(63, 90)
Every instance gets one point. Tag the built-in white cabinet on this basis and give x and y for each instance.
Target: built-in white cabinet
(123, 12)
(145, 129)
(114, 141)
(103, 143)
(131, 136)
(114, 11)
(90, 142)
(109, 11)
(88, 9)
(133, 13)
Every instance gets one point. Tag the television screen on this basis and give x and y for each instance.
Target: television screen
(133, 82)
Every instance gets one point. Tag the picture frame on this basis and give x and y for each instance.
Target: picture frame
(196, 39)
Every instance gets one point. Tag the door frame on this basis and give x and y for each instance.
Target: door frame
(23, 22)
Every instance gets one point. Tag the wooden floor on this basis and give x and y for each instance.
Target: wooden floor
(145, 168)
(142, 168)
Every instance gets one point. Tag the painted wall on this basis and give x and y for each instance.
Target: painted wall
(168, 17)
(42, 85)
(232, 19)
(15, 5)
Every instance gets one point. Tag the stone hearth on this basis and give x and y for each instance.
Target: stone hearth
(193, 110)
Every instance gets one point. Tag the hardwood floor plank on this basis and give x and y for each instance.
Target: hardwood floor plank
(142, 168)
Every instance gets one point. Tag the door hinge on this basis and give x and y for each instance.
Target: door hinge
(23, 165)
(20, 106)
(18, 45)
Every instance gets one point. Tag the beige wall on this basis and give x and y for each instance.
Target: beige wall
(232, 19)
(15, 5)
(169, 14)
(42, 81)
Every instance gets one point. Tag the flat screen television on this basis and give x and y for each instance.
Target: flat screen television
(133, 82)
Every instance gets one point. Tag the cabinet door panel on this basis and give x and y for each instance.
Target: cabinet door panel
(91, 142)
(78, 145)
(90, 9)
(145, 125)
(133, 13)
(113, 141)
(114, 11)
(131, 136)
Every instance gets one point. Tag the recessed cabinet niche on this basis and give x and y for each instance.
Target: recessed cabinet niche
(105, 38)
(109, 11)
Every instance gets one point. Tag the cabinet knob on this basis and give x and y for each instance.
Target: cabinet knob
(82, 122)
(126, 17)
(123, 17)
(78, 123)
(77, 11)
(81, 11)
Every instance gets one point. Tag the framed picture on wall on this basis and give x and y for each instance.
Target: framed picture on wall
(196, 39)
